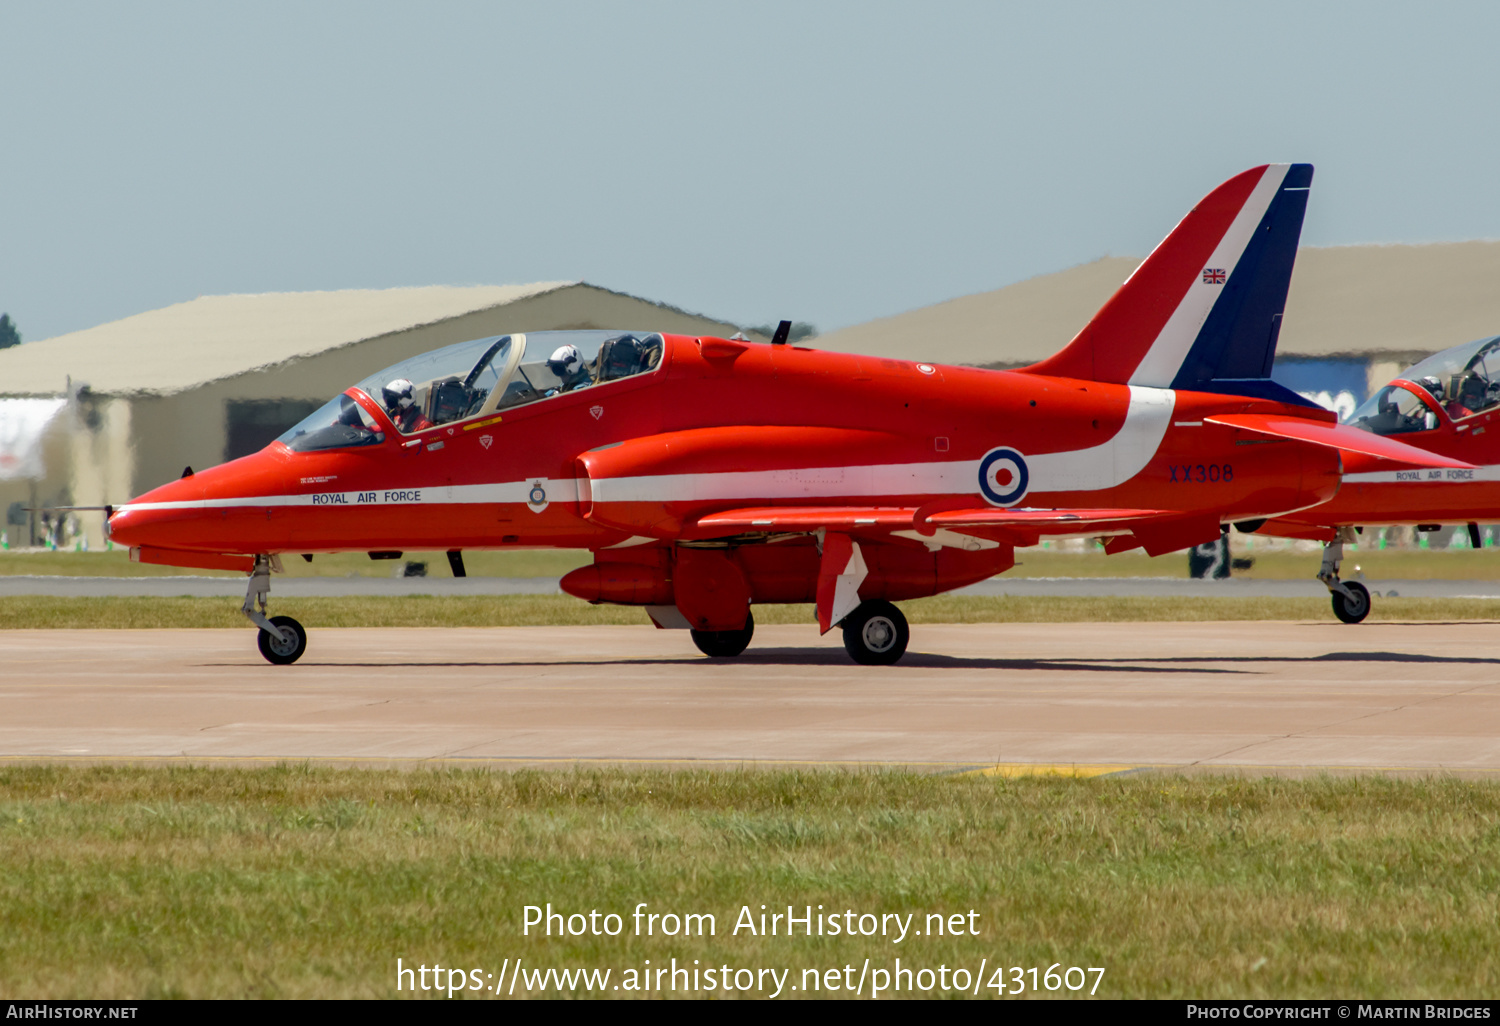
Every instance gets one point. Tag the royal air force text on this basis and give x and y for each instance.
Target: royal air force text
(366, 498)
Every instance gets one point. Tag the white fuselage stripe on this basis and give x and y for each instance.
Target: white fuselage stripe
(1098, 467)
(564, 490)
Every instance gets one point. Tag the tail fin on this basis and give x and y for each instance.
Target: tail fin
(1204, 310)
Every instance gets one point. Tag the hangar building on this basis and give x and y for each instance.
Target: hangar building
(221, 376)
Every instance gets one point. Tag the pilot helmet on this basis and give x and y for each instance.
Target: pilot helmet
(397, 394)
(624, 357)
(1433, 385)
(562, 360)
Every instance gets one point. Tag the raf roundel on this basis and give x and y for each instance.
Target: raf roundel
(1003, 477)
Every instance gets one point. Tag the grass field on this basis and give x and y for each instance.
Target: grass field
(292, 881)
(41, 612)
(1279, 564)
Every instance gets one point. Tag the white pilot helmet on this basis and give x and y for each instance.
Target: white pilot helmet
(398, 394)
(563, 358)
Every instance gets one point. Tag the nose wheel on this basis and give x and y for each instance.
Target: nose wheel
(284, 648)
(281, 640)
(876, 634)
(1352, 604)
(1351, 600)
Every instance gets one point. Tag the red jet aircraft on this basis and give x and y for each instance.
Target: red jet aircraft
(1448, 405)
(709, 474)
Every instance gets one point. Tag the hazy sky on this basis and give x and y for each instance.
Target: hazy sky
(823, 161)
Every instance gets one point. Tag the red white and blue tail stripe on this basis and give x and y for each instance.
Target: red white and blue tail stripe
(1204, 310)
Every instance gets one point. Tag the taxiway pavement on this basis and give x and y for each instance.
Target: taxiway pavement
(1275, 695)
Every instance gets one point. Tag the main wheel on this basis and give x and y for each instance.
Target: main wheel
(876, 634)
(283, 653)
(1352, 610)
(725, 644)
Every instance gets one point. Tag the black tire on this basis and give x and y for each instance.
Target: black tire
(283, 653)
(876, 634)
(725, 644)
(1352, 610)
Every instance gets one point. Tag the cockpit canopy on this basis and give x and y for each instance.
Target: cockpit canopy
(478, 378)
(1460, 380)
(1395, 410)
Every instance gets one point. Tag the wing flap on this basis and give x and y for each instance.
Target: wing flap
(1336, 436)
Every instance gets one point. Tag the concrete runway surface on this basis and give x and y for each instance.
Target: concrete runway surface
(1103, 697)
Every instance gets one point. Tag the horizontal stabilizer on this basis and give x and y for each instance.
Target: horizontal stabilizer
(1336, 436)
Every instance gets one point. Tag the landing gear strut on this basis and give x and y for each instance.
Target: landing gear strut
(1351, 600)
(876, 634)
(282, 639)
(725, 644)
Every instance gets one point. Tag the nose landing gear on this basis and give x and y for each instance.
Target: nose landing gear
(1351, 600)
(282, 640)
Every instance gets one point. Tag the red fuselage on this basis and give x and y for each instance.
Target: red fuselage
(720, 425)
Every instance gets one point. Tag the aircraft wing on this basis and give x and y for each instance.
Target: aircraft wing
(850, 518)
(1337, 436)
(1158, 531)
(1044, 521)
(809, 518)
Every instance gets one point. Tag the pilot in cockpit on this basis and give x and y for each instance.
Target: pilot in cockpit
(1471, 397)
(622, 357)
(402, 407)
(566, 363)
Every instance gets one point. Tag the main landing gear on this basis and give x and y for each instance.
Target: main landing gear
(1351, 600)
(282, 639)
(876, 634)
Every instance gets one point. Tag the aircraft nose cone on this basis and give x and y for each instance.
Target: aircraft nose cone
(150, 519)
(232, 508)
